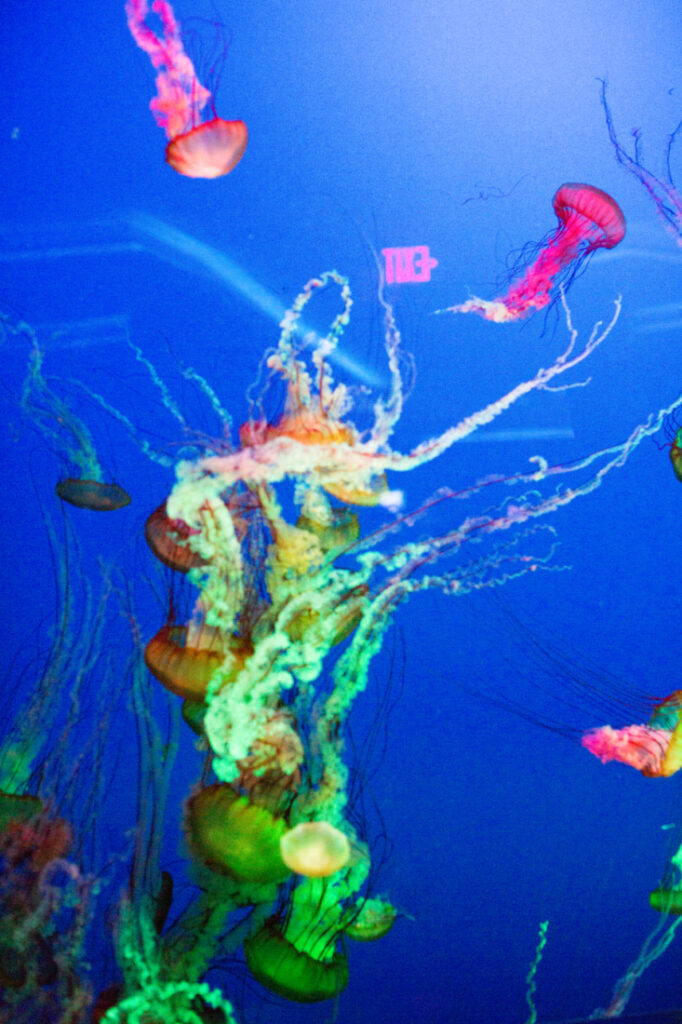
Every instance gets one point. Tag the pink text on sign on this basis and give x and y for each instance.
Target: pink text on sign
(409, 264)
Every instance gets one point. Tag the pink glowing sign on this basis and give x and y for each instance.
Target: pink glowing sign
(410, 264)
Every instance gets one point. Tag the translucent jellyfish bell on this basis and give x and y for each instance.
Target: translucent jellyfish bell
(315, 849)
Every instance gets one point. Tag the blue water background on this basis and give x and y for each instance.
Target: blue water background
(447, 124)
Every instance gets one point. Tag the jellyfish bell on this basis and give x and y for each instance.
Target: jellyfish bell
(186, 662)
(234, 837)
(315, 849)
(193, 713)
(302, 424)
(590, 218)
(30, 834)
(373, 920)
(208, 150)
(315, 427)
(271, 771)
(666, 900)
(339, 529)
(292, 973)
(168, 538)
(352, 492)
(92, 494)
(195, 149)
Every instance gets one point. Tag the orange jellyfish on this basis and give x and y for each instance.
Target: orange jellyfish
(168, 540)
(196, 148)
(589, 219)
(186, 659)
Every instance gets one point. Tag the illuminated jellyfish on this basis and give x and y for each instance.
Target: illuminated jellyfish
(308, 606)
(71, 438)
(236, 837)
(197, 149)
(374, 918)
(185, 660)
(315, 849)
(589, 219)
(293, 602)
(293, 973)
(666, 898)
(655, 749)
(166, 538)
(295, 953)
(664, 194)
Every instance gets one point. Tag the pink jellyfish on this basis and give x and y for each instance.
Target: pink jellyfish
(655, 749)
(196, 149)
(589, 219)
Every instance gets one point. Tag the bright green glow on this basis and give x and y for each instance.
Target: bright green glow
(168, 1004)
(530, 977)
(293, 974)
(288, 594)
(235, 837)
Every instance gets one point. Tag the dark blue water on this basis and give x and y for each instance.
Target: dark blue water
(447, 125)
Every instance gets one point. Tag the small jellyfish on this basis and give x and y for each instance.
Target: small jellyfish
(589, 219)
(315, 849)
(196, 148)
(54, 418)
(92, 494)
(374, 919)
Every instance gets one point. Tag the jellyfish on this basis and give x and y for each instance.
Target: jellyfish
(95, 495)
(589, 219)
(166, 537)
(236, 837)
(374, 918)
(666, 899)
(70, 436)
(196, 148)
(186, 660)
(293, 597)
(654, 749)
(291, 972)
(315, 849)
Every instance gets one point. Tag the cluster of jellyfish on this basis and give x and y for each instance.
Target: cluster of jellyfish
(292, 599)
(291, 604)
